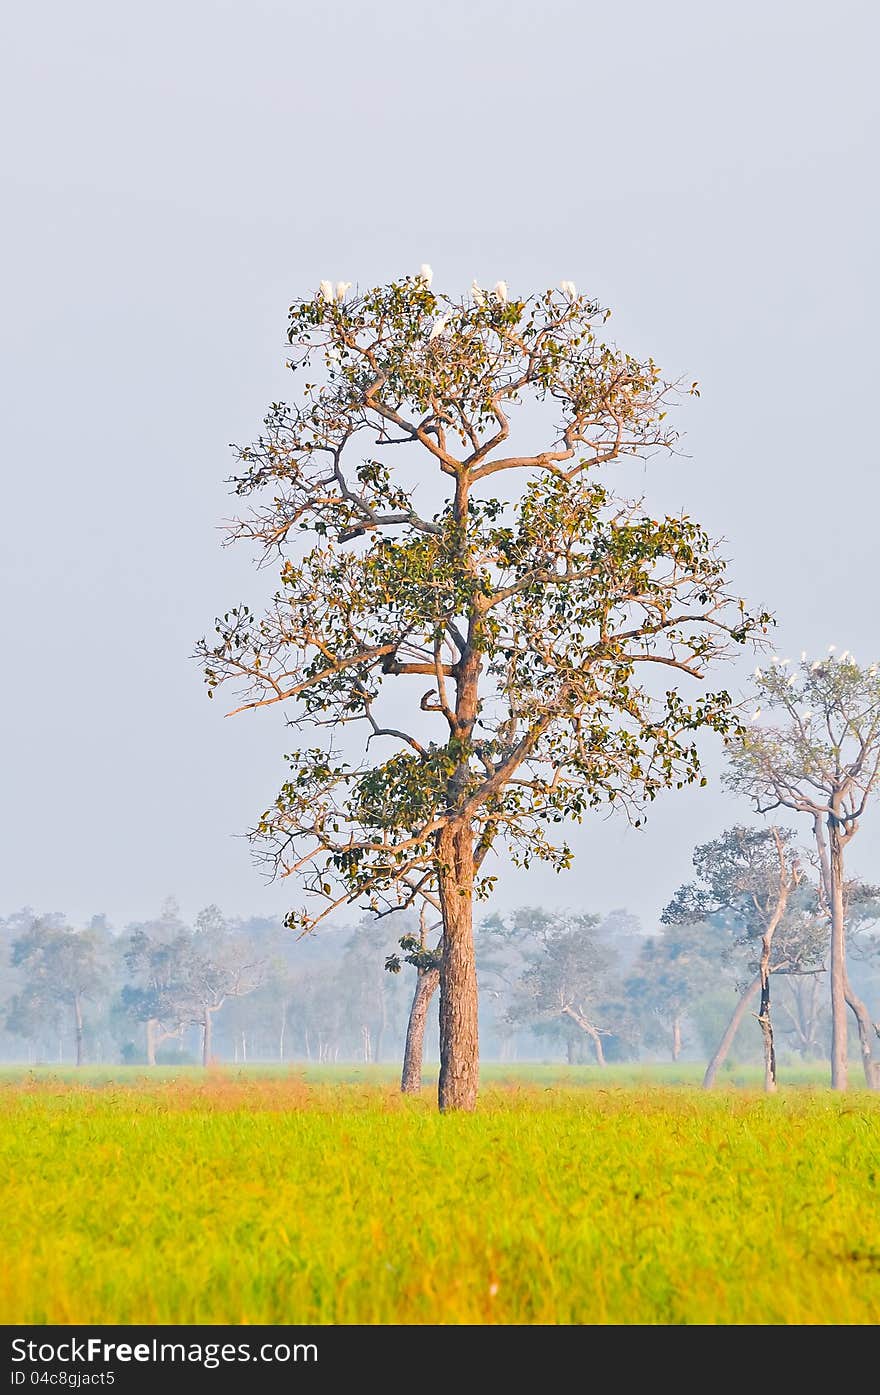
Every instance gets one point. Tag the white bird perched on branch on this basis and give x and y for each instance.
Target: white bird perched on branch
(569, 289)
(426, 275)
(872, 670)
(831, 648)
(439, 325)
(803, 656)
(479, 295)
(341, 288)
(500, 290)
(325, 291)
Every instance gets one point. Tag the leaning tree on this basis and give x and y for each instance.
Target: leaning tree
(490, 613)
(748, 874)
(814, 747)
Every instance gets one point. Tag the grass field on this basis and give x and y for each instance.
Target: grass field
(282, 1197)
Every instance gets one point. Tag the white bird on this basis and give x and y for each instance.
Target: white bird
(784, 662)
(831, 648)
(843, 656)
(478, 293)
(439, 325)
(792, 680)
(569, 289)
(774, 661)
(756, 714)
(425, 274)
(341, 288)
(758, 673)
(500, 290)
(325, 290)
(872, 670)
(816, 664)
(803, 656)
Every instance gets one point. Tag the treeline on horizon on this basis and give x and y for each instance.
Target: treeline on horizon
(556, 984)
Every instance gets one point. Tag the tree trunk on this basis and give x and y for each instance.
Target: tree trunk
(592, 1032)
(152, 1024)
(730, 1032)
(368, 1045)
(866, 1032)
(206, 1038)
(78, 1022)
(766, 1025)
(244, 1049)
(676, 1038)
(413, 1053)
(459, 1035)
(839, 1062)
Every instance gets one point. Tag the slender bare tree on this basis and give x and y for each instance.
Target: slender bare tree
(749, 873)
(814, 747)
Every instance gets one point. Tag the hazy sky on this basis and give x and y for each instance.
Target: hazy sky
(175, 173)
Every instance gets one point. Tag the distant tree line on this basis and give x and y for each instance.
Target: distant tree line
(556, 984)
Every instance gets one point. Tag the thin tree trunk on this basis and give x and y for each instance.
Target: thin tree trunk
(206, 1038)
(839, 1061)
(244, 1048)
(152, 1024)
(766, 1025)
(592, 1032)
(459, 1034)
(368, 1047)
(427, 983)
(676, 1038)
(866, 1033)
(730, 1032)
(78, 1021)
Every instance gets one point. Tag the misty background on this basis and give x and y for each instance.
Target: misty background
(175, 176)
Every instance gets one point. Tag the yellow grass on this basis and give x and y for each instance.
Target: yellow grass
(276, 1199)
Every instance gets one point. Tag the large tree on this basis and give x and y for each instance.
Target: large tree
(814, 747)
(486, 608)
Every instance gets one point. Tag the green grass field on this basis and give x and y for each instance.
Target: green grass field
(324, 1197)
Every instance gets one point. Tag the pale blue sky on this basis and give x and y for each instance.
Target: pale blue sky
(177, 173)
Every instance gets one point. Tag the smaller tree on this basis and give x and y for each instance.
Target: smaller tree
(749, 873)
(157, 996)
(186, 980)
(567, 978)
(62, 967)
(819, 755)
(671, 972)
(425, 960)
